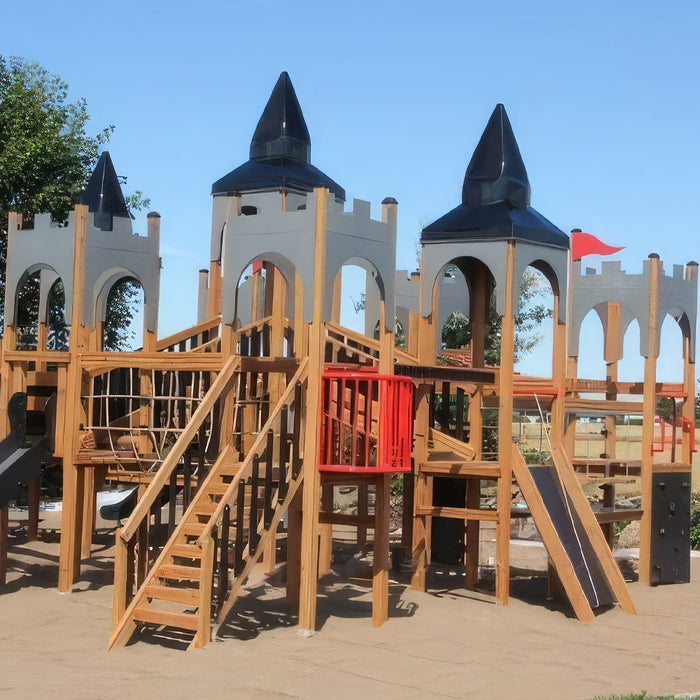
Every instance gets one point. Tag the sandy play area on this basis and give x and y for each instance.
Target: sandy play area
(447, 643)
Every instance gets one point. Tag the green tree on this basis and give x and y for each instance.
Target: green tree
(456, 332)
(46, 156)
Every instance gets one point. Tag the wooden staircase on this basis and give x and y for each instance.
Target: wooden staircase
(232, 518)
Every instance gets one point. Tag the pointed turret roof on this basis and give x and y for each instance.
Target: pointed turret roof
(282, 131)
(496, 195)
(280, 151)
(103, 193)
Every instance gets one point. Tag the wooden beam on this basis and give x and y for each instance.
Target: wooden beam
(505, 430)
(649, 411)
(312, 426)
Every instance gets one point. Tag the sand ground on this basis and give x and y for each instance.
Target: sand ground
(446, 643)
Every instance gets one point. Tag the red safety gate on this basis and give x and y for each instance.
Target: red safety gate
(367, 422)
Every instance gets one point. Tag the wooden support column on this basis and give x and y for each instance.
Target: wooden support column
(570, 434)
(4, 542)
(688, 407)
(73, 475)
(34, 499)
(558, 374)
(294, 522)
(312, 426)
(380, 569)
(422, 493)
(505, 431)
(89, 512)
(472, 535)
(275, 306)
(648, 413)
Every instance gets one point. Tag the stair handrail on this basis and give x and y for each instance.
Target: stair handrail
(260, 441)
(171, 461)
(355, 337)
(187, 333)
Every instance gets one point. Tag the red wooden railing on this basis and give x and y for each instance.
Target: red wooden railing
(367, 422)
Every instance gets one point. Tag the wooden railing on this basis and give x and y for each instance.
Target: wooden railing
(202, 335)
(367, 349)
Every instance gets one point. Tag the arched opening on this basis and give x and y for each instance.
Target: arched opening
(631, 367)
(591, 362)
(357, 295)
(27, 310)
(265, 308)
(58, 333)
(670, 363)
(122, 328)
(534, 336)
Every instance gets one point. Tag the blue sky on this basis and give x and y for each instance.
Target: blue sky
(603, 99)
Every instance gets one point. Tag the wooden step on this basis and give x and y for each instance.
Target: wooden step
(179, 572)
(440, 465)
(189, 551)
(193, 529)
(167, 618)
(230, 469)
(217, 489)
(186, 596)
(205, 507)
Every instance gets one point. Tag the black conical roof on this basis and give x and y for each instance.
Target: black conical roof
(103, 193)
(282, 131)
(496, 195)
(496, 172)
(280, 151)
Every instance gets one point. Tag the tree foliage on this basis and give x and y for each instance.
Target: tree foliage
(46, 157)
(456, 332)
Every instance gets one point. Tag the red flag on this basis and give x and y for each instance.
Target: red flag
(257, 266)
(587, 244)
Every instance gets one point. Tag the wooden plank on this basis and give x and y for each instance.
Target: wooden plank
(603, 407)
(166, 618)
(187, 333)
(186, 596)
(380, 565)
(179, 572)
(121, 554)
(443, 442)
(649, 411)
(444, 373)
(505, 429)
(459, 513)
(312, 480)
(203, 636)
(4, 542)
(485, 470)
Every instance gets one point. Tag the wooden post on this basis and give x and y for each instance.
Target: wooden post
(505, 431)
(4, 542)
(73, 476)
(34, 502)
(89, 512)
(688, 407)
(472, 535)
(380, 566)
(648, 413)
(558, 374)
(121, 555)
(312, 481)
(294, 522)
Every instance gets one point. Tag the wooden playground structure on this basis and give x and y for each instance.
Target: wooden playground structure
(237, 431)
